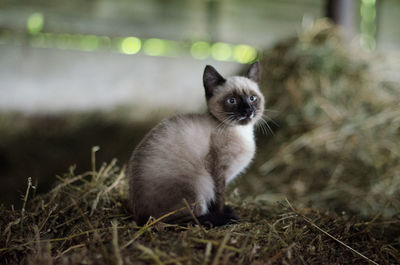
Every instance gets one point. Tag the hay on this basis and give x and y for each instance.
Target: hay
(338, 144)
(83, 221)
(335, 156)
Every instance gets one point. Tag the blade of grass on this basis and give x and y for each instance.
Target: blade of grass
(24, 205)
(148, 225)
(207, 253)
(194, 217)
(329, 235)
(117, 252)
(151, 253)
(220, 249)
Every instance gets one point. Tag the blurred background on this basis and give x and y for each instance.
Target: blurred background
(83, 73)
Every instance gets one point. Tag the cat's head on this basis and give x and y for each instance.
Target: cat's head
(234, 100)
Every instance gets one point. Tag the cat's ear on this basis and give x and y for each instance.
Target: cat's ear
(211, 79)
(254, 72)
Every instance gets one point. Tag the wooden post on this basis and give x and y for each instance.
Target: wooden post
(342, 12)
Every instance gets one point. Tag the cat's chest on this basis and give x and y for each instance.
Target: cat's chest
(236, 151)
(245, 137)
(247, 150)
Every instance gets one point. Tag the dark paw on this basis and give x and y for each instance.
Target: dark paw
(214, 219)
(228, 211)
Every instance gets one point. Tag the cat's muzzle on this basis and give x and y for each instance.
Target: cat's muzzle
(248, 114)
(246, 117)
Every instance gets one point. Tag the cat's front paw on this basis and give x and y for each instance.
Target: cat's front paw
(214, 219)
(230, 213)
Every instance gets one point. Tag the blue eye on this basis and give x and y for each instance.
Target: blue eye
(232, 101)
(252, 98)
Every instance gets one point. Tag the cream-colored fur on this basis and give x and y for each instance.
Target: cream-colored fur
(240, 163)
(188, 156)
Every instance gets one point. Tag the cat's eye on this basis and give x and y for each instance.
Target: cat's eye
(232, 101)
(252, 98)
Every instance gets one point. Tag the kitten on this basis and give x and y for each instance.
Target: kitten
(194, 156)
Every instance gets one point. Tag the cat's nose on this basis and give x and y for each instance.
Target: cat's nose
(249, 113)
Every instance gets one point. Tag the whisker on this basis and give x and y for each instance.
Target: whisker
(269, 127)
(222, 128)
(271, 120)
(224, 124)
(261, 125)
(266, 126)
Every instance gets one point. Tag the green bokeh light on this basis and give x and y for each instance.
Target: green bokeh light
(130, 45)
(368, 28)
(369, 2)
(244, 53)
(34, 23)
(368, 13)
(154, 47)
(89, 42)
(221, 51)
(200, 50)
(368, 25)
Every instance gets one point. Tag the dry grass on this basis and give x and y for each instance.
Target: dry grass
(83, 221)
(335, 157)
(338, 144)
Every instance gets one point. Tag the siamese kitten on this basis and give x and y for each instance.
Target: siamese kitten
(195, 156)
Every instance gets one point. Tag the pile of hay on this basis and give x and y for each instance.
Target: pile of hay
(83, 221)
(335, 156)
(338, 141)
